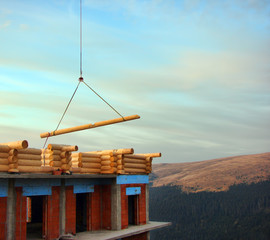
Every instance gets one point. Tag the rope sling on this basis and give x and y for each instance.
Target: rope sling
(86, 126)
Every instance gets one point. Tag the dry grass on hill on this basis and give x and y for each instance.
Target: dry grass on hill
(213, 175)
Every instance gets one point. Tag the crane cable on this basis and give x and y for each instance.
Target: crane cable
(81, 80)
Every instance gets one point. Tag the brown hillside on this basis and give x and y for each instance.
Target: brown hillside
(213, 175)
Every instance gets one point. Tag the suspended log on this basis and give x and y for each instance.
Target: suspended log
(17, 145)
(29, 163)
(4, 168)
(88, 126)
(30, 151)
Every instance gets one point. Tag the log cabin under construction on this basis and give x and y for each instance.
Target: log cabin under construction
(60, 193)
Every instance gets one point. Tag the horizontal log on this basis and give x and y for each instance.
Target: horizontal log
(88, 126)
(91, 165)
(34, 151)
(34, 169)
(132, 165)
(120, 172)
(135, 156)
(105, 168)
(105, 163)
(4, 168)
(17, 144)
(62, 147)
(132, 170)
(90, 170)
(89, 154)
(91, 160)
(116, 151)
(75, 169)
(4, 161)
(29, 163)
(153, 155)
(4, 148)
(105, 157)
(29, 156)
(129, 160)
(4, 155)
(108, 172)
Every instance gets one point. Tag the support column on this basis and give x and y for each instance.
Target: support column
(116, 205)
(147, 203)
(11, 210)
(62, 213)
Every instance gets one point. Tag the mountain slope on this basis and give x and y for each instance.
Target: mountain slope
(213, 175)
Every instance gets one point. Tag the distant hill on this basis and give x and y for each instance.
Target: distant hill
(213, 175)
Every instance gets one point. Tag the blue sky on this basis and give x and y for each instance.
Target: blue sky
(197, 72)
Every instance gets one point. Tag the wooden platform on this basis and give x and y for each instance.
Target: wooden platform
(112, 235)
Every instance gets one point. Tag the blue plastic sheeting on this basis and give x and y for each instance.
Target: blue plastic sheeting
(133, 190)
(81, 188)
(3, 187)
(37, 191)
(132, 179)
(37, 187)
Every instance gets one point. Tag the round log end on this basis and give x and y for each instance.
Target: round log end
(24, 144)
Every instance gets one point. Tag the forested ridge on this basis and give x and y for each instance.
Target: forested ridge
(242, 212)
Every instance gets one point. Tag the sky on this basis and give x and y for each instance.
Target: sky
(197, 72)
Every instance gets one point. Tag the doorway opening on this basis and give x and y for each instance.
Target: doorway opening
(132, 209)
(81, 212)
(34, 217)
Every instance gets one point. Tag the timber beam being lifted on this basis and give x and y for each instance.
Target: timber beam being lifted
(88, 126)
